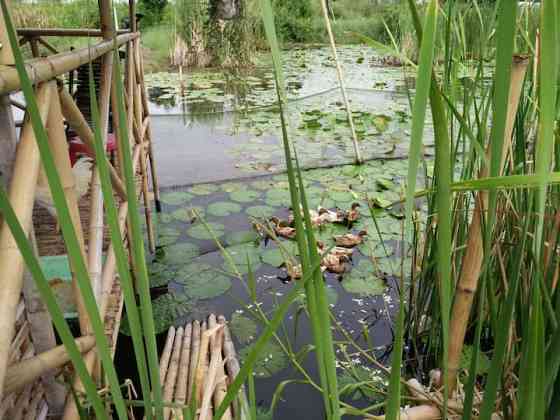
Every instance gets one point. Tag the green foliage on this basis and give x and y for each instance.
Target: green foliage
(153, 11)
(293, 19)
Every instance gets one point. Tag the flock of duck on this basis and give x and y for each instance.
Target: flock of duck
(335, 259)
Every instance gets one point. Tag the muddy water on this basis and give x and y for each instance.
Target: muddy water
(207, 133)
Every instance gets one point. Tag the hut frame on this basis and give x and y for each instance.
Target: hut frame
(29, 356)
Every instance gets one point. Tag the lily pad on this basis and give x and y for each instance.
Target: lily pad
(160, 274)
(181, 252)
(277, 257)
(166, 310)
(278, 197)
(260, 211)
(244, 196)
(201, 281)
(270, 360)
(363, 281)
(182, 214)
(167, 235)
(232, 186)
(176, 197)
(243, 328)
(351, 383)
(203, 189)
(241, 256)
(223, 208)
(200, 230)
(241, 237)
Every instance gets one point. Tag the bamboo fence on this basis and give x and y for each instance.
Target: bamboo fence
(30, 361)
(201, 357)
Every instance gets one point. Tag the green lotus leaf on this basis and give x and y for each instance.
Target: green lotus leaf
(363, 281)
(176, 197)
(341, 196)
(232, 186)
(385, 184)
(241, 237)
(243, 328)
(262, 184)
(165, 217)
(200, 230)
(276, 257)
(166, 310)
(241, 256)
(270, 360)
(381, 122)
(181, 252)
(244, 196)
(160, 274)
(167, 235)
(351, 382)
(278, 197)
(203, 189)
(263, 212)
(182, 214)
(223, 208)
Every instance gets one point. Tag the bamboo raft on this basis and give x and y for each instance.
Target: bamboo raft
(199, 358)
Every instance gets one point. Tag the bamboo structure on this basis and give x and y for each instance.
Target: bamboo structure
(29, 357)
(188, 347)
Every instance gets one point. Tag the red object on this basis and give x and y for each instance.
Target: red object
(77, 149)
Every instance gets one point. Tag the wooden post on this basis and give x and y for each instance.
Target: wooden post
(221, 386)
(22, 197)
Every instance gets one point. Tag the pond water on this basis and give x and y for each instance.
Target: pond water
(218, 152)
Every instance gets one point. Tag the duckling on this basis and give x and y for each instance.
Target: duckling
(329, 216)
(294, 270)
(282, 228)
(350, 240)
(354, 213)
(335, 263)
(313, 215)
(340, 251)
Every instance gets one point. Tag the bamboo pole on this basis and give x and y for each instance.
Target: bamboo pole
(137, 107)
(8, 141)
(202, 364)
(47, 45)
(70, 409)
(355, 144)
(74, 32)
(6, 54)
(59, 148)
(183, 374)
(166, 355)
(29, 370)
(21, 195)
(43, 69)
(232, 370)
(171, 377)
(196, 331)
(95, 244)
(220, 390)
(474, 256)
(34, 47)
(211, 376)
(76, 120)
(42, 334)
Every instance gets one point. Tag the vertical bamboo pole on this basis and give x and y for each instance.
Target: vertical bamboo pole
(6, 54)
(183, 374)
(474, 256)
(137, 109)
(146, 114)
(96, 222)
(171, 377)
(34, 47)
(212, 375)
(195, 347)
(59, 147)
(7, 141)
(42, 335)
(71, 410)
(202, 364)
(220, 390)
(22, 197)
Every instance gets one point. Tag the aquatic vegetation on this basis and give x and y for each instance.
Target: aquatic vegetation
(244, 329)
(270, 361)
(362, 280)
(199, 231)
(223, 208)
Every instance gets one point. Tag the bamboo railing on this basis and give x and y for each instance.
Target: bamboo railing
(21, 171)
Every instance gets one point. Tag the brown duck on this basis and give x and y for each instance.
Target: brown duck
(350, 240)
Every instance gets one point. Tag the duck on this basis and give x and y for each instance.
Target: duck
(335, 263)
(350, 240)
(353, 214)
(282, 228)
(294, 270)
(329, 216)
(342, 251)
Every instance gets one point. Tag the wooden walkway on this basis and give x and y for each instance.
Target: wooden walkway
(200, 358)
